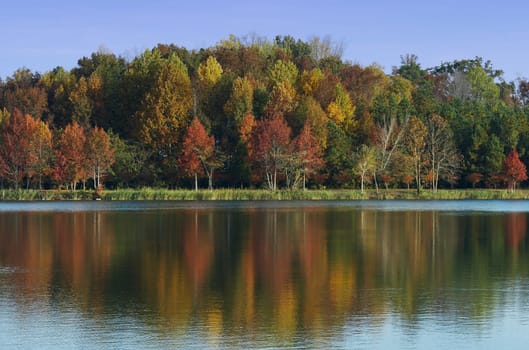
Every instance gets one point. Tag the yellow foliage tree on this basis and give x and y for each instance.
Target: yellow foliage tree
(310, 80)
(341, 109)
(209, 72)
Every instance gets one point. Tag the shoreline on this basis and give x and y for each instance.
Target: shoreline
(253, 194)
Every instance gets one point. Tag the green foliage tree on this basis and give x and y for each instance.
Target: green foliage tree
(338, 155)
(483, 87)
(282, 72)
(240, 101)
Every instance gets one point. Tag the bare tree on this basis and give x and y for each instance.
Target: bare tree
(415, 140)
(443, 158)
(325, 47)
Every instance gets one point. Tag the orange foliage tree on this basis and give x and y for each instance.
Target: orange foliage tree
(70, 155)
(198, 149)
(513, 170)
(308, 151)
(16, 157)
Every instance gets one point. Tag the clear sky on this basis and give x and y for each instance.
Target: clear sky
(43, 34)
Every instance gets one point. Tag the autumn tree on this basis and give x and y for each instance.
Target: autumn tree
(365, 163)
(513, 170)
(246, 127)
(87, 99)
(4, 116)
(444, 160)
(282, 100)
(310, 112)
(198, 148)
(341, 109)
(70, 155)
(209, 73)
(165, 108)
(415, 140)
(58, 84)
(391, 113)
(308, 155)
(310, 80)
(240, 101)
(282, 72)
(364, 84)
(16, 157)
(41, 148)
(99, 154)
(271, 147)
(24, 92)
(239, 162)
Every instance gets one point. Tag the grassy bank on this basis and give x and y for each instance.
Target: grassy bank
(241, 194)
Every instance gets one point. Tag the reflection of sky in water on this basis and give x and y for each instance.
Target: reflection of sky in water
(46, 328)
(386, 205)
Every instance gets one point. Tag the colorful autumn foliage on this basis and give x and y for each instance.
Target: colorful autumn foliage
(70, 156)
(197, 151)
(259, 102)
(16, 157)
(271, 148)
(513, 170)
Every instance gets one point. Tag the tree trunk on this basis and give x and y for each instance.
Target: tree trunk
(210, 180)
(196, 182)
(362, 182)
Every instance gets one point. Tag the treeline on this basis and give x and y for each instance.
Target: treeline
(250, 112)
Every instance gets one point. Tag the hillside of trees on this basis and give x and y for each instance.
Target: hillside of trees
(257, 113)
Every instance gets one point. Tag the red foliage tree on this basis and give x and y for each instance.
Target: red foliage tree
(474, 178)
(70, 155)
(308, 151)
(513, 170)
(16, 157)
(270, 147)
(99, 154)
(198, 147)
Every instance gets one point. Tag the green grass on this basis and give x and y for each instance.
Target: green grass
(246, 194)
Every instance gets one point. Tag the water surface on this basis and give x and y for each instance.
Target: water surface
(340, 274)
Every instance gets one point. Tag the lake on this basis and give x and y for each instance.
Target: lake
(340, 274)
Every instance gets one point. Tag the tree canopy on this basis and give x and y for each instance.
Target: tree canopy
(270, 111)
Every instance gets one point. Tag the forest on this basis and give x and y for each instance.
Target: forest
(251, 112)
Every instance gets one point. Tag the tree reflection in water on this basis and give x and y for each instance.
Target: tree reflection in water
(283, 271)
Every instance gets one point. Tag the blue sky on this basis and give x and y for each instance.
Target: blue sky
(41, 35)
